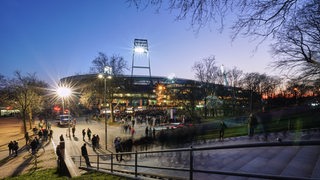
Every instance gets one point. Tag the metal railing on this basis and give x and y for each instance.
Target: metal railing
(106, 162)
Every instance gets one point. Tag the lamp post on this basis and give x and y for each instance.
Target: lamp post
(64, 92)
(107, 72)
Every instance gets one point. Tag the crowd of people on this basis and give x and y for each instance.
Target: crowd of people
(41, 133)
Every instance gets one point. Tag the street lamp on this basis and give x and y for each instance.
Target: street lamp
(64, 92)
(107, 74)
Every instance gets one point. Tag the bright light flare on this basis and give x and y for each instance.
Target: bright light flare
(139, 49)
(64, 92)
(100, 76)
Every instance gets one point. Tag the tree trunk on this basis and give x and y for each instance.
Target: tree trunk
(24, 121)
(30, 118)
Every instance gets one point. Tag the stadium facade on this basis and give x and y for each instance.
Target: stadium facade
(135, 93)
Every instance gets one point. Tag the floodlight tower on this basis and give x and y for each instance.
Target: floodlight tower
(224, 74)
(141, 49)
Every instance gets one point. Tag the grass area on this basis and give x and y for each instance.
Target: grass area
(294, 122)
(52, 174)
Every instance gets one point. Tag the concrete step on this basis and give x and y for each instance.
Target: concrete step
(302, 164)
(242, 159)
(316, 169)
(279, 160)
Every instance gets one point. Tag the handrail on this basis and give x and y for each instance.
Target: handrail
(191, 151)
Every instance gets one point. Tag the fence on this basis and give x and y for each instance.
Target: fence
(142, 162)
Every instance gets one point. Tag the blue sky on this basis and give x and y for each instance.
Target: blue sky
(60, 38)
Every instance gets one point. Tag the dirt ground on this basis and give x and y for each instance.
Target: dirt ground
(12, 129)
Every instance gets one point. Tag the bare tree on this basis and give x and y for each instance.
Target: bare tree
(206, 72)
(26, 94)
(118, 65)
(261, 18)
(298, 46)
(293, 23)
(235, 76)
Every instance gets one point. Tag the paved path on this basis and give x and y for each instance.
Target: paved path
(297, 162)
(303, 162)
(289, 161)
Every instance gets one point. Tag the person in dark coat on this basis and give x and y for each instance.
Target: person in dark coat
(252, 123)
(84, 153)
(61, 137)
(147, 131)
(10, 146)
(73, 130)
(98, 141)
(117, 145)
(15, 147)
(89, 134)
(26, 136)
(94, 142)
(60, 157)
(83, 134)
(34, 145)
(222, 126)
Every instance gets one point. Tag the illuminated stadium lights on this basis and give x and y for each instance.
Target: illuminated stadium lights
(141, 52)
(108, 71)
(140, 46)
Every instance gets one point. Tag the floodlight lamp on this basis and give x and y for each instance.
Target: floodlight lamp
(222, 69)
(100, 76)
(108, 70)
(139, 50)
(140, 46)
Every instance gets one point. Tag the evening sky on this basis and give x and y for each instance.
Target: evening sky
(60, 38)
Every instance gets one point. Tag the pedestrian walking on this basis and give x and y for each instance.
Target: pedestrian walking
(61, 137)
(98, 141)
(83, 134)
(94, 142)
(89, 134)
(10, 146)
(60, 157)
(73, 129)
(34, 146)
(222, 126)
(117, 145)
(132, 132)
(147, 131)
(84, 153)
(26, 136)
(252, 123)
(15, 147)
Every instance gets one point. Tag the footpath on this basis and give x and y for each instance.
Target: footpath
(24, 162)
(10, 130)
